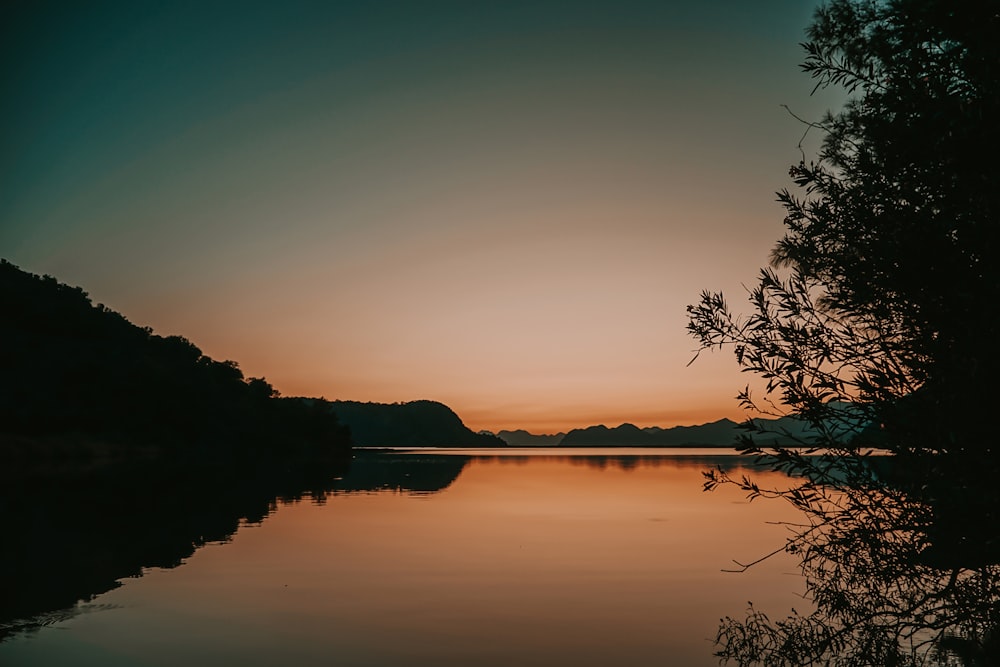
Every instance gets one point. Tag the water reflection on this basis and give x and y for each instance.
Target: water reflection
(75, 537)
(901, 562)
(424, 472)
(541, 558)
(415, 474)
(623, 462)
(71, 538)
(460, 559)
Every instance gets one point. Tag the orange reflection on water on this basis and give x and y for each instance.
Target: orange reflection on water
(537, 561)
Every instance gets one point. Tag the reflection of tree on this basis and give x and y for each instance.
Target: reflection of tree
(890, 581)
(73, 537)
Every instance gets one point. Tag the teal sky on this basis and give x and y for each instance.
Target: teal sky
(501, 205)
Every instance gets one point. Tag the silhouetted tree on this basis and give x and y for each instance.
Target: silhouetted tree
(891, 241)
(875, 324)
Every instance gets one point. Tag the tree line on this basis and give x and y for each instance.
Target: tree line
(78, 372)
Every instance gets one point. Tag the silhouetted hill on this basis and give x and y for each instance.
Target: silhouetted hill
(521, 438)
(80, 379)
(714, 434)
(413, 424)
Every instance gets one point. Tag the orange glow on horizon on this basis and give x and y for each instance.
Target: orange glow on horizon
(662, 392)
(515, 232)
(541, 419)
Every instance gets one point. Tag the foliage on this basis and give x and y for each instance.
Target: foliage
(77, 372)
(875, 324)
(891, 239)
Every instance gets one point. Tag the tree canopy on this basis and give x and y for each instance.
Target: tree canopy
(884, 283)
(80, 379)
(874, 322)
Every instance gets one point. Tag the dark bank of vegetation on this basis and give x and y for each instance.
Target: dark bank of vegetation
(881, 296)
(412, 424)
(83, 386)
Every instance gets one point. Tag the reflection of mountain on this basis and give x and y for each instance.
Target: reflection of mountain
(702, 462)
(726, 462)
(413, 424)
(403, 473)
(72, 538)
(521, 438)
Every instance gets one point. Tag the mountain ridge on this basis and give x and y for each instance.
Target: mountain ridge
(522, 438)
(420, 423)
(719, 433)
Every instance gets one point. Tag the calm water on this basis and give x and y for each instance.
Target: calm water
(499, 557)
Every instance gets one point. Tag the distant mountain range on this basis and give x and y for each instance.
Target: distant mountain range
(521, 438)
(721, 433)
(432, 424)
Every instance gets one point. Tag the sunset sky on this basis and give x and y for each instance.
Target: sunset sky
(503, 206)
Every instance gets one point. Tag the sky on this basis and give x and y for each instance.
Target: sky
(502, 206)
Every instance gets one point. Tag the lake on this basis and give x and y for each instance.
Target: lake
(446, 557)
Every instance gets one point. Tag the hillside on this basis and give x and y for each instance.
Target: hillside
(81, 380)
(413, 424)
